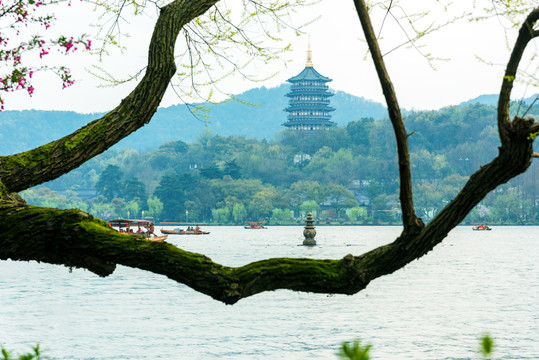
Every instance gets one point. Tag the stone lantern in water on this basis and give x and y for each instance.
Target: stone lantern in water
(309, 232)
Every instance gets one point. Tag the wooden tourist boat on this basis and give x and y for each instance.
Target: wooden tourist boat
(135, 227)
(191, 230)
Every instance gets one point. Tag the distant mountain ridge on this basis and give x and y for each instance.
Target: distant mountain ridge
(24, 130)
(492, 99)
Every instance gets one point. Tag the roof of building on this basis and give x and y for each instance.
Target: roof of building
(305, 122)
(309, 73)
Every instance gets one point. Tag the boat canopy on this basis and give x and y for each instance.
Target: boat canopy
(130, 223)
(182, 223)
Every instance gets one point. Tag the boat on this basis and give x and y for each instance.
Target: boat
(144, 228)
(255, 226)
(176, 231)
(481, 227)
(179, 231)
(191, 230)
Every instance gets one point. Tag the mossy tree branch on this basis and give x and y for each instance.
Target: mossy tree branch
(76, 239)
(73, 238)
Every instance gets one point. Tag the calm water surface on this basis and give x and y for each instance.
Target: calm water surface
(434, 308)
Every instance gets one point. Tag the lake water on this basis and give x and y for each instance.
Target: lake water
(438, 307)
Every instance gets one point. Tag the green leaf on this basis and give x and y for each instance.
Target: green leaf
(487, 345)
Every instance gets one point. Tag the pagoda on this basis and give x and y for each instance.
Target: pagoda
(308, 107)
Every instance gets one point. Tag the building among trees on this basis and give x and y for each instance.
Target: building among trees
(308, 107)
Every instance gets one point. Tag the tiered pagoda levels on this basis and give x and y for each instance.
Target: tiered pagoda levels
(308, 107)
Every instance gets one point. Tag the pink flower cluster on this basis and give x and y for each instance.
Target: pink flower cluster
(22, 14)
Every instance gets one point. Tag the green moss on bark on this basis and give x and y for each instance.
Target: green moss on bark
(91, 131)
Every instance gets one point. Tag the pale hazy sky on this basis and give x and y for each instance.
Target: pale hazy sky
(338, 53)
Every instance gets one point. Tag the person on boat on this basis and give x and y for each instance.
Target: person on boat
(197, 229)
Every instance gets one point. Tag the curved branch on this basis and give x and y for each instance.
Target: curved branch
(74, 238)
(525, 34)
(27, 169)
(411, 222)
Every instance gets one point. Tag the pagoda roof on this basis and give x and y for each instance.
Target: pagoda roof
(309, 107)
(308, 123)
(309, 73)
(323, 93)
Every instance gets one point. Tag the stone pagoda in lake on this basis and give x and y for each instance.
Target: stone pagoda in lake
(308, 107)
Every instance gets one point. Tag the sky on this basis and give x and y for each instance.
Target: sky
(338, 52)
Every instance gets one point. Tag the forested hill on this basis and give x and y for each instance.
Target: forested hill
(262, 118)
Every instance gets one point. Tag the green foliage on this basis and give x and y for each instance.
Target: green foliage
(357, 213)
(355, 351)
(311, 206)
(239, 212)
(220, 216)
(510, 208)
(351, 351)
(34, 355)
(134, 189)
(155, 207)
(281, 215)
(109, 183)
(486, 345)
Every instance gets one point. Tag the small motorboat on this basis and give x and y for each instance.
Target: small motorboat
(179, 231)
(481, 227)
(255, 226)
(191, 230)
(176, 231)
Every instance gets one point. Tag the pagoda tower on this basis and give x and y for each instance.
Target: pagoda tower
(308, 107)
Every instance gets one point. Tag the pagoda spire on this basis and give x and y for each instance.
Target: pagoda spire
(309, 54)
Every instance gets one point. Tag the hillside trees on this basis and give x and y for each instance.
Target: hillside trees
(109, 183)
(73, 238)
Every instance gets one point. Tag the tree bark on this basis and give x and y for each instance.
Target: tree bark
(76, 239)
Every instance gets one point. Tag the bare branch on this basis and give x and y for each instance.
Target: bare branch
(410, 220)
